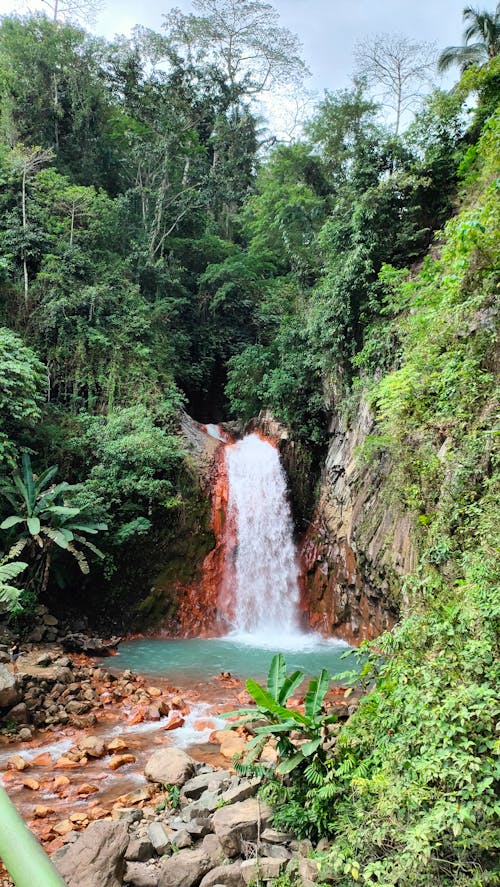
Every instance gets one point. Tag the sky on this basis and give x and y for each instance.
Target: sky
(327, 29)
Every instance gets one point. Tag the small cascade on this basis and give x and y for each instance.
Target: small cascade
(261, 568)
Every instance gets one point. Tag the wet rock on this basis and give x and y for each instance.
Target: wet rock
(139, 874)
(263, 868)
(169, 766)
(240, 822)
(97, 858)
(17, 762)
(93, 746)
(9, 690)
(226, 875)
(81, 643)
(117, 761)
(184, 869)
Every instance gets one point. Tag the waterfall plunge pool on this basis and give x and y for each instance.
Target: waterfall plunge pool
(193, 663)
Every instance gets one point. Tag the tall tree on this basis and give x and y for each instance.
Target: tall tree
(481, 40)
(243, 38)
(399, 69)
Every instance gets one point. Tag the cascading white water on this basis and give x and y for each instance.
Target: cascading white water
(266, 593)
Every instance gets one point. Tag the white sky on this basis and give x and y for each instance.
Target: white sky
(328, 29)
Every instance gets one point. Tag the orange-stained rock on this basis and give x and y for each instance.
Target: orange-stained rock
(117, 745)
(97, 813)
(138, 715)
(163, 707)
(42, 812)
(63, 827)
(54, 845)
(64, 763)
(176, 720)
(86, 789)
(78, 818)
(61, 782)
(17, 763)
(30, 783)
(230, 743)
(119, 761)
(153, 691)
(153, 713)
(42, 760)
(203, 725)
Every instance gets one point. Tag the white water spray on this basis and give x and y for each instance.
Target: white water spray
(266, 594)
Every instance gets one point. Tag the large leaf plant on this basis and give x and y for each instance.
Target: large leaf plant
(300, 735)
(44, 521)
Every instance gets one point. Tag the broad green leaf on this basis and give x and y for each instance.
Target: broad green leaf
(46, 476)
(290, 764)
(290, 685)
(10, 571)
(56, 536)
(316, 693)
(276, 676)
(266, 701)
(29, 481)
(11, 521)
(308, 748)
(63, 509)
(33, 525)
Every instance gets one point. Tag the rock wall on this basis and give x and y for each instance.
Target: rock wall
(359, 544)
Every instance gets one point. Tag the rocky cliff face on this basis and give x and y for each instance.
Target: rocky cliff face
(359, 545)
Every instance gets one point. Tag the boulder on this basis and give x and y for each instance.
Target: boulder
(195, 787)
(185, 868)
(169, 766)
(81, 643)
(139, 850)
(227, 875)
(139, 874)
(240, 822)
(93, 746)
(96, 858)
(9, 691)
(246, 788)
(158, 837)
(261, 869)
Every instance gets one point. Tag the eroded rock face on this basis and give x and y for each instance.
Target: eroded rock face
(359, 545)
(96, 858)
(169, 766)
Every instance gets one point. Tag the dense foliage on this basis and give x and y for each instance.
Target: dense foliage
(153, 256)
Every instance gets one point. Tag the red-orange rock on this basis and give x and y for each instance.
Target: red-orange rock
(17, 763)
(41, 812)
(120, 760)
(61, 782)
(153, 691)
(176, 720)
(117, 745)
(86, 789)
(30, 783)
(64, 763)
(63, 827)
(42, 760)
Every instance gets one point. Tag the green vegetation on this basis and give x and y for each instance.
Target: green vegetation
(154, 257)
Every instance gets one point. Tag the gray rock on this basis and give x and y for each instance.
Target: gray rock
(275, 851)
(184, 869)
(169, 766)
(139, 874)
(139, 849)
(273, 836)
(159, 838)
(198, 828)
(9, 691)
(97, 858)
(263, 868)
(226, 875)
(25, 734)
(211, 780)
(182, 839)
(203, 807)
(18, 714)
(247, 788)
(240, 822)
(308, 869)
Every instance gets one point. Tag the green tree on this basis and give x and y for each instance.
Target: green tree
(481, 40)
(22, 382)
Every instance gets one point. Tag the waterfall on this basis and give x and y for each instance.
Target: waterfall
(262, 563)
